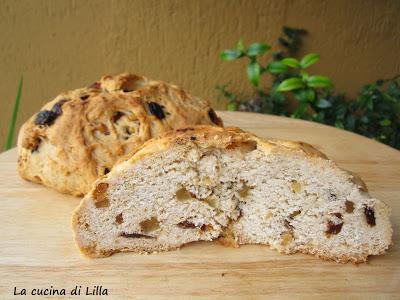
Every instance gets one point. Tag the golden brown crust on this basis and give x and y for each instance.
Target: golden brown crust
(210, 136)
(82, 133)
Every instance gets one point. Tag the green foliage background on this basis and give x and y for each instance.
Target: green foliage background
(375, 113)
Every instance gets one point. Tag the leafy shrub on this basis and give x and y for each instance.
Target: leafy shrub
(375, 113)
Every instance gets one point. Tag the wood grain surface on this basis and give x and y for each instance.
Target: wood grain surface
(37, 250)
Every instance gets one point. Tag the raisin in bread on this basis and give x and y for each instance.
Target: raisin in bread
(79, 135)
(206, 183)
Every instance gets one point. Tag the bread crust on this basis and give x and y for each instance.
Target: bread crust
(211, 136)
(79, 135)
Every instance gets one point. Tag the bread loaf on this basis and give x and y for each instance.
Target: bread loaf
(79, 135)
(207, 183)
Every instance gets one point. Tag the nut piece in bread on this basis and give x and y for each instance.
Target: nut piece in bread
(207, 183)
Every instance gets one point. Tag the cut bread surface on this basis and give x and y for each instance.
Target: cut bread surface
(207, 183)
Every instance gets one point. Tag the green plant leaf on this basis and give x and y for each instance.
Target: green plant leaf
(225, 92)
(370, 103)
(290, 84)
(309, 94)
(11, 129)
(257, 48)
(319, 117)
(309, 60)
(385, 122)
(231, 106)
(300, 112)
(253, 73)
(305, 95)
(291, 62)
(364, 119)
(317, 81)
(240, 45)
(304, 75)
(339, 124)
(350, 122)
(323, 103)
(278, 97)
(276, 67)
(230, 54)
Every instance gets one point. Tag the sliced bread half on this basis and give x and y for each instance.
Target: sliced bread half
(206, 183)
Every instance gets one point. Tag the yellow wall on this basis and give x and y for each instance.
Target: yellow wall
(59, 45)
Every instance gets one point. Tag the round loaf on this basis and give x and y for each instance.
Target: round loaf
(80, 135)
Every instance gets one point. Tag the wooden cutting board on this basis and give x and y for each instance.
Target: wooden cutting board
(37, 251)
